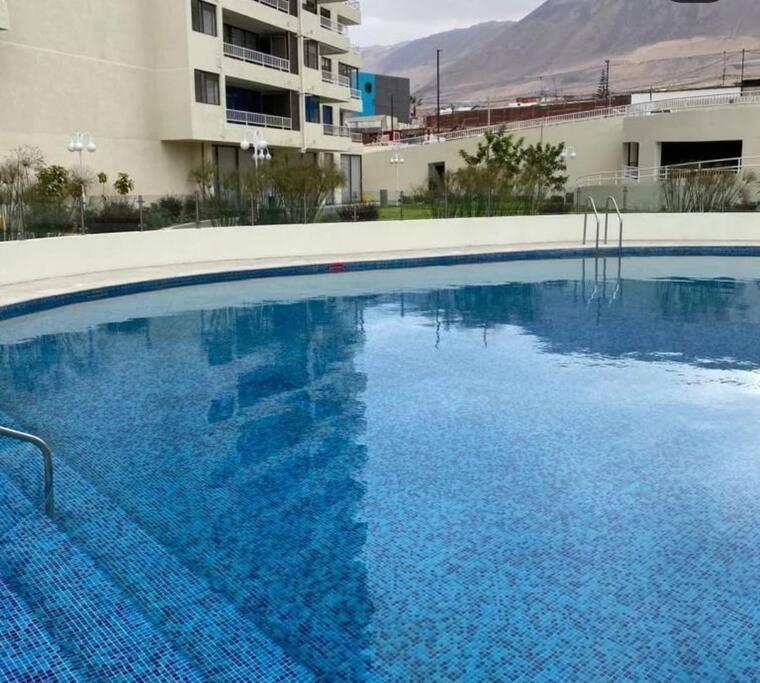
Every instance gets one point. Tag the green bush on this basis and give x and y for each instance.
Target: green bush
(365, 211)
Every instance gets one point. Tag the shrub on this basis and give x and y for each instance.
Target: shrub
(366, 211)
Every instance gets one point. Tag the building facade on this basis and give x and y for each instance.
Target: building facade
(165, 87)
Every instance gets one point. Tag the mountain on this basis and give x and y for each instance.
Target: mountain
(566, 42)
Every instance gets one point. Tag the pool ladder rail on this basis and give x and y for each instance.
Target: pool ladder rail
(591, 207)
(47, 456)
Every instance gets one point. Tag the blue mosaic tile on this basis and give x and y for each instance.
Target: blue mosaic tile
(26, 651)
(531, 481)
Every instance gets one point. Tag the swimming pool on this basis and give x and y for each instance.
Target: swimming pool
(529, 471)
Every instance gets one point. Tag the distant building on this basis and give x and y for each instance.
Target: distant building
(385, 96)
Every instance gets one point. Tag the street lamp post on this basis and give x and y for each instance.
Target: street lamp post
(78, 143)
(261, 154)
(397, 160)
(570, 154)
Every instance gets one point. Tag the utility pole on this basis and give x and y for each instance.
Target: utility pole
(725, 62)
(438, 89)
(393, 116)
(744, 59)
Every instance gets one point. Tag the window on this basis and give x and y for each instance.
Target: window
(204, 17)
(240, 37)
(312, 109)
(311, 54)
(326, 64)
(206, 87)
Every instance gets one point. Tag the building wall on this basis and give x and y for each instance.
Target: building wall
(598, 144)
(118, 70)
(124, 72)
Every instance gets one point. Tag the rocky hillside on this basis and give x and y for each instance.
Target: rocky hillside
(651, 42)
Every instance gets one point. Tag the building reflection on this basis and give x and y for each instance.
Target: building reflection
(235, 436)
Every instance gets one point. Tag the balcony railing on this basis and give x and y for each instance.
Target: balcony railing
(335, 26)
(342, 132)
(356, 94)
(256, 57)
(336, 79)
(282, 5)
(250, 118)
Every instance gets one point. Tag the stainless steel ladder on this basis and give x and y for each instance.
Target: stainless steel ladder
(591, 205)
(47, 456)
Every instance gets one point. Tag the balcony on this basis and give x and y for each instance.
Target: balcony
(336, 79)
(334, 26)
(356, 94)
(282, 5)
(342, 132)
(254, 57)
(250, 118)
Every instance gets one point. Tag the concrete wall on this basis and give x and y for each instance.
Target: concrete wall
(115, 69)
(324, 243)
(598, 144)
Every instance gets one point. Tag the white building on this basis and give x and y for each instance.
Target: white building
(164, 86)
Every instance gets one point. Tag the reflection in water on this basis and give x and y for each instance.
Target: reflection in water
(243, 454)
(236, 436)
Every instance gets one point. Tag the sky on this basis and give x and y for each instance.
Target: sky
(392, 21)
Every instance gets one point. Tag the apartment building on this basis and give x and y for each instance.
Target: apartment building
(165, 86)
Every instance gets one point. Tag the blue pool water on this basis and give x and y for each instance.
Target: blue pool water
(533, 472)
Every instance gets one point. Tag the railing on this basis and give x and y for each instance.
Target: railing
(336, 131)
(748, 97)
(356, 94)
(334, 26)
(613, 201)
(282, 5)
(255, 57)
(591, 204)
(336, 79)
(47, 457)
(250, 118)
(639, 176)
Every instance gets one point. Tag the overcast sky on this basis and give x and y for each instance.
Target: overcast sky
(391, 21)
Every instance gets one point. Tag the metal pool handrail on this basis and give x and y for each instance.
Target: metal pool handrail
(592, 204)
(614, 203)
(47, 456)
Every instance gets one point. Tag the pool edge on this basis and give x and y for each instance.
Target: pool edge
(46, 303)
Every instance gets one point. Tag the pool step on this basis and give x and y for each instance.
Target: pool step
(27, 653)
(222, 643)
(100, 632)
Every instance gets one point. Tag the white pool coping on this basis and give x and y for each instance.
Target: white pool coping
(38, 269)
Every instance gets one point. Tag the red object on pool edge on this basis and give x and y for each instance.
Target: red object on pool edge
(337, 268)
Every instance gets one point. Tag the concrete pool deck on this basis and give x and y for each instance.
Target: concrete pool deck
(56, 271)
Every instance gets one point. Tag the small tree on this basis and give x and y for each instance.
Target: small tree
(543, 172)
(603, 89)
(202, 177)
(52, 183)
(123, 184)
(300, 186)
(102, 181)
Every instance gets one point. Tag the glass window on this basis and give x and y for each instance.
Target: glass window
(206, 87)
(311, 54)
(312, 109)
(204, 17)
